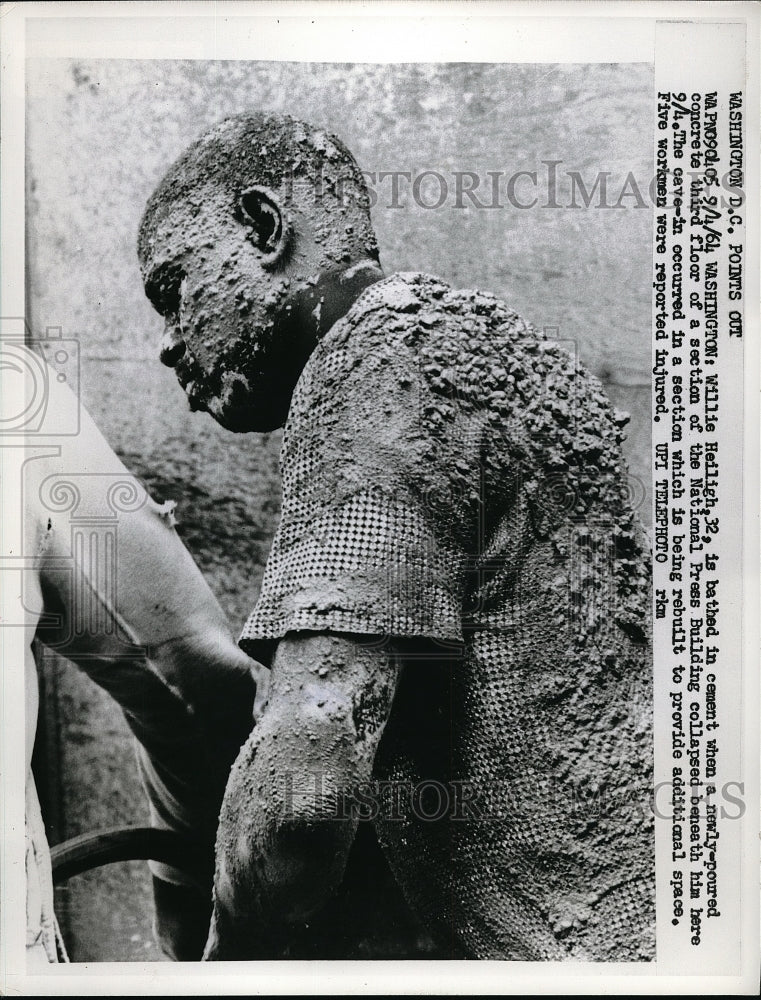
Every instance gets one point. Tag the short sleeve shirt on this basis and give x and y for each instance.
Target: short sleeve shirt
(430, 431)
(450, 474)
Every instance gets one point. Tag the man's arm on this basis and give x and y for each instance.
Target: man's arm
(286, 825)
(127, 603)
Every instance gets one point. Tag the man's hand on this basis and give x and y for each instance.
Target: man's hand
(286, 825)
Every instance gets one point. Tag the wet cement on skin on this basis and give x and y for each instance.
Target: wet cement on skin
(284, 835)
(429, 97)
(248, 317)
(447, 400)
(495, 432)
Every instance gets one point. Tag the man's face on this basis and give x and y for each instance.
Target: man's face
(204, 275)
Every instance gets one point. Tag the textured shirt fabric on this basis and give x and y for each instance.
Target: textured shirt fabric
(451, 475)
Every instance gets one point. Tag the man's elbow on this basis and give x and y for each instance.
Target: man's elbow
(303, 864)
(287, 823)
(286, 828)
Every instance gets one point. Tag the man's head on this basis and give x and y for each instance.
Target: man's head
(244, 249)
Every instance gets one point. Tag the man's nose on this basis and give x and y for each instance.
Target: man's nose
(172, 346)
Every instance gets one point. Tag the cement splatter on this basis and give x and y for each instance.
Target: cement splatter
(442, 419)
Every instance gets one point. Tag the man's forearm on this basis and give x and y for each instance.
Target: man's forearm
(285, 830)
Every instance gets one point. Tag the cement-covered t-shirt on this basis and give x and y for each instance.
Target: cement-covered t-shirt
(450, 474)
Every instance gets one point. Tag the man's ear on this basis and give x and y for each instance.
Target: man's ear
(261, 213)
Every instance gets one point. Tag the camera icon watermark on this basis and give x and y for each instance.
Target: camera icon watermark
(31, 370)
(72, 543)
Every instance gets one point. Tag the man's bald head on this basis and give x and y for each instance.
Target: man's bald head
(241, 247)
(302, 165)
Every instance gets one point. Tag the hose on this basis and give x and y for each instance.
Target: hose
(129, 843)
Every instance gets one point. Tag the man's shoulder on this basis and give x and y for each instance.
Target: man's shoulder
(465, 344)
(410, 292)
(403, 295)
(403, 292)
(409, 308)
(462, 343)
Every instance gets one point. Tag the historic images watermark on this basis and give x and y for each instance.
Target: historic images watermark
(315, 793)
(28, 366)
(549, 185)
(69, 518)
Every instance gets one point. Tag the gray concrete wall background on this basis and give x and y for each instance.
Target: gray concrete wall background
(100, 135)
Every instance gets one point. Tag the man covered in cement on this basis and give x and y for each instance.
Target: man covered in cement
(456, 605)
